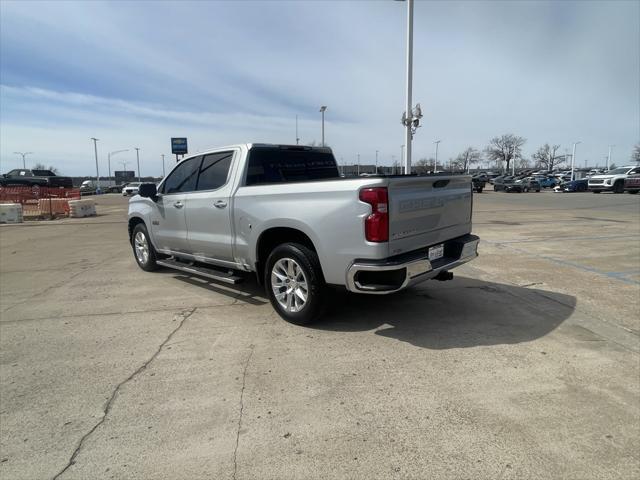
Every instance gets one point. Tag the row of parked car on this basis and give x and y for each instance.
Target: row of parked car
(617, 180)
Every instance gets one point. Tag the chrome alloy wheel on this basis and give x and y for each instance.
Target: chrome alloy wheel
(142, 247)
(289, 285)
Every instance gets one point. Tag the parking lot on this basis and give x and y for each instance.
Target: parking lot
(526, 365)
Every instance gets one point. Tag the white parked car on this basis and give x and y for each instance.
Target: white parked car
(613, 180)
(131, 189)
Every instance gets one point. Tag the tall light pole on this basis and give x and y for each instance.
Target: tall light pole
(138, 160)
(358, 164)
(402, 156)
(435, 166)
(376, 162)
(95, 148)
(297, 138)
(408, 133)
(573, 160)
(24, 154)
(109, 159)
(163, 174)
(609, 157)
(322, 110)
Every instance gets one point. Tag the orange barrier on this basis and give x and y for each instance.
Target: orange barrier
(38, 201)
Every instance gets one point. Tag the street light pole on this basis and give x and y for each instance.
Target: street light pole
(138, 160)
(95, 148)
(322, 110)
(376, 162)
(163, 174)
(109, 160)
(402, 155)
(609, 157)
(435, 166)
(297, 138)
(408, 134)
(24, 154)
(573, 160)
(358, 164)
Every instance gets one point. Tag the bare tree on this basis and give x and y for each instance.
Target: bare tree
(505, 148)
(635, 154)
(422, 166)
(467, 158)
(547, 157)
(42, 166)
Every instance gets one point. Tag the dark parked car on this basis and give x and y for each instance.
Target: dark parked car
(478, 183)
(576, 186)
(529, 184)
(632, 184)
(506, 185)
(42, 178)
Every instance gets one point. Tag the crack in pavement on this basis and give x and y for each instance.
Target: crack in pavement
(107, 408)
(244, 377)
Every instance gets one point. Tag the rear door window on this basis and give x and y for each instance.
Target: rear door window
(214, 170)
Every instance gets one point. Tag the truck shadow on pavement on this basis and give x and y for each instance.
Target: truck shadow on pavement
(458, 314)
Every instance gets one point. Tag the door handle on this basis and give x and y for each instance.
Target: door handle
(178, 204)
(220, 204)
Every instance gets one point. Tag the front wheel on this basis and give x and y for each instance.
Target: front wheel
(294, 282)
(618, 187)
(143, 250)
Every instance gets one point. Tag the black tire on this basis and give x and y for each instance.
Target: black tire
(525, 189)
(618, 187)
(479, 190)
(632, 192)
(596, 191)
(495, 189)
(538, 191)
(148, 263)
(307, 261)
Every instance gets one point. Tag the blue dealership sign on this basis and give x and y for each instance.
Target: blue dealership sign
(179, 146)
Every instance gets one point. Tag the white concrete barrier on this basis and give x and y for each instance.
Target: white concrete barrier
(10, 213)
(82, 208)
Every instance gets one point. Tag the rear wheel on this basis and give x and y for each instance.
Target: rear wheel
(143, 250)
(294, 282)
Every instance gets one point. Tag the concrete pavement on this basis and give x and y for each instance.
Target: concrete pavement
(525, 366)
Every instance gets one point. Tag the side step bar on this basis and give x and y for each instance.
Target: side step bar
(211, 273)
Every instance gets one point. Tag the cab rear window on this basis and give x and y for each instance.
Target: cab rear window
(277, 165)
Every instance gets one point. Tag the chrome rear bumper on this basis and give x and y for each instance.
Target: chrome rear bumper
(394, 274)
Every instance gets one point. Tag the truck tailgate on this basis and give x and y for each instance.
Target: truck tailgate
(424, 211)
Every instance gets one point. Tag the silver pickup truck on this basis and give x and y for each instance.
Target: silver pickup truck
(285, 213)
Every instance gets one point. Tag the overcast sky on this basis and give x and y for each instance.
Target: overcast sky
(134, 74)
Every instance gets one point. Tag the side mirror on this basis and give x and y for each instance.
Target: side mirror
(148, 190)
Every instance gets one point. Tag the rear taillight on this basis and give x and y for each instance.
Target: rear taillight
(376, 225)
